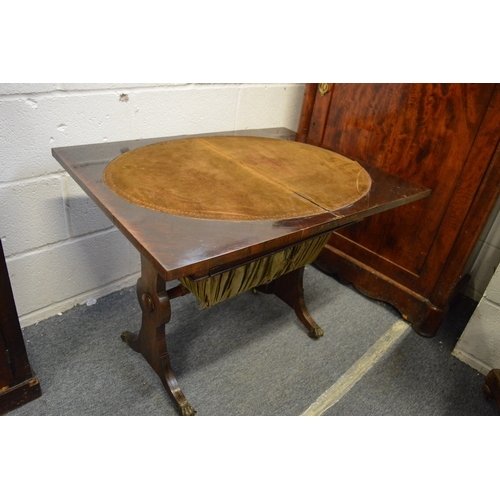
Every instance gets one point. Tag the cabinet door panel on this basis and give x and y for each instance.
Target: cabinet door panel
(420, 132)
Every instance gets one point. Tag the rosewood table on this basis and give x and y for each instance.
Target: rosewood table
(224, 213)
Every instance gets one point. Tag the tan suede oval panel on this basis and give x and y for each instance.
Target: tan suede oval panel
(237, 178)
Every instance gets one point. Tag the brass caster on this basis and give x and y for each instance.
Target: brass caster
(316, 333)
(186, 410)
(125, 335)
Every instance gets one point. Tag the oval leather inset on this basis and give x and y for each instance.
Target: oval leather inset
(237, 178)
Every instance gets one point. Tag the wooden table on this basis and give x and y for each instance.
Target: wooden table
(174, 247)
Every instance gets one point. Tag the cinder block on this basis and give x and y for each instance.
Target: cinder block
(26, 88)
(84, 216)
(58, 273)
(32, 215)
(32, 126)
(483, 268)
(183, 110)
(110, 86)
(270, 106)
(493, 291)
(480, 339)
(491, 233)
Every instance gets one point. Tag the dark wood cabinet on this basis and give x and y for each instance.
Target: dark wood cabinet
(18, 384)
(442, 136)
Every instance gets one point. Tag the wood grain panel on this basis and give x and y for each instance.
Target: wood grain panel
(410, 131)
(442, 136)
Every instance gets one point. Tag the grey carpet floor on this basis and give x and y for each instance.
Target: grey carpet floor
(251, 356)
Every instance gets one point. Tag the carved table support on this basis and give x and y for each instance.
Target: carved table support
(289, 288)
(151, 341)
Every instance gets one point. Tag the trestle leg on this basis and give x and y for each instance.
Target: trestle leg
(290, 289)
(150, 341)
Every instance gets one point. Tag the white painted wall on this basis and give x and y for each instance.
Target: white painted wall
(485, 256)
(479, 344)
(60, 249)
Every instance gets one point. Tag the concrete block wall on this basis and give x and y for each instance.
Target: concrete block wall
(485, 256)
(60, 249)
(479, 344)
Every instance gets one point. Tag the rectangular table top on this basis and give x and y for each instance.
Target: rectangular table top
(182, 246)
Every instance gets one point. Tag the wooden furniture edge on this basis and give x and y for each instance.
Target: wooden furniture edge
(427, 312)
(477, 217)
(491, 386)
(24, 385)
(306, 112)
(424, 316)
(20, 394)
